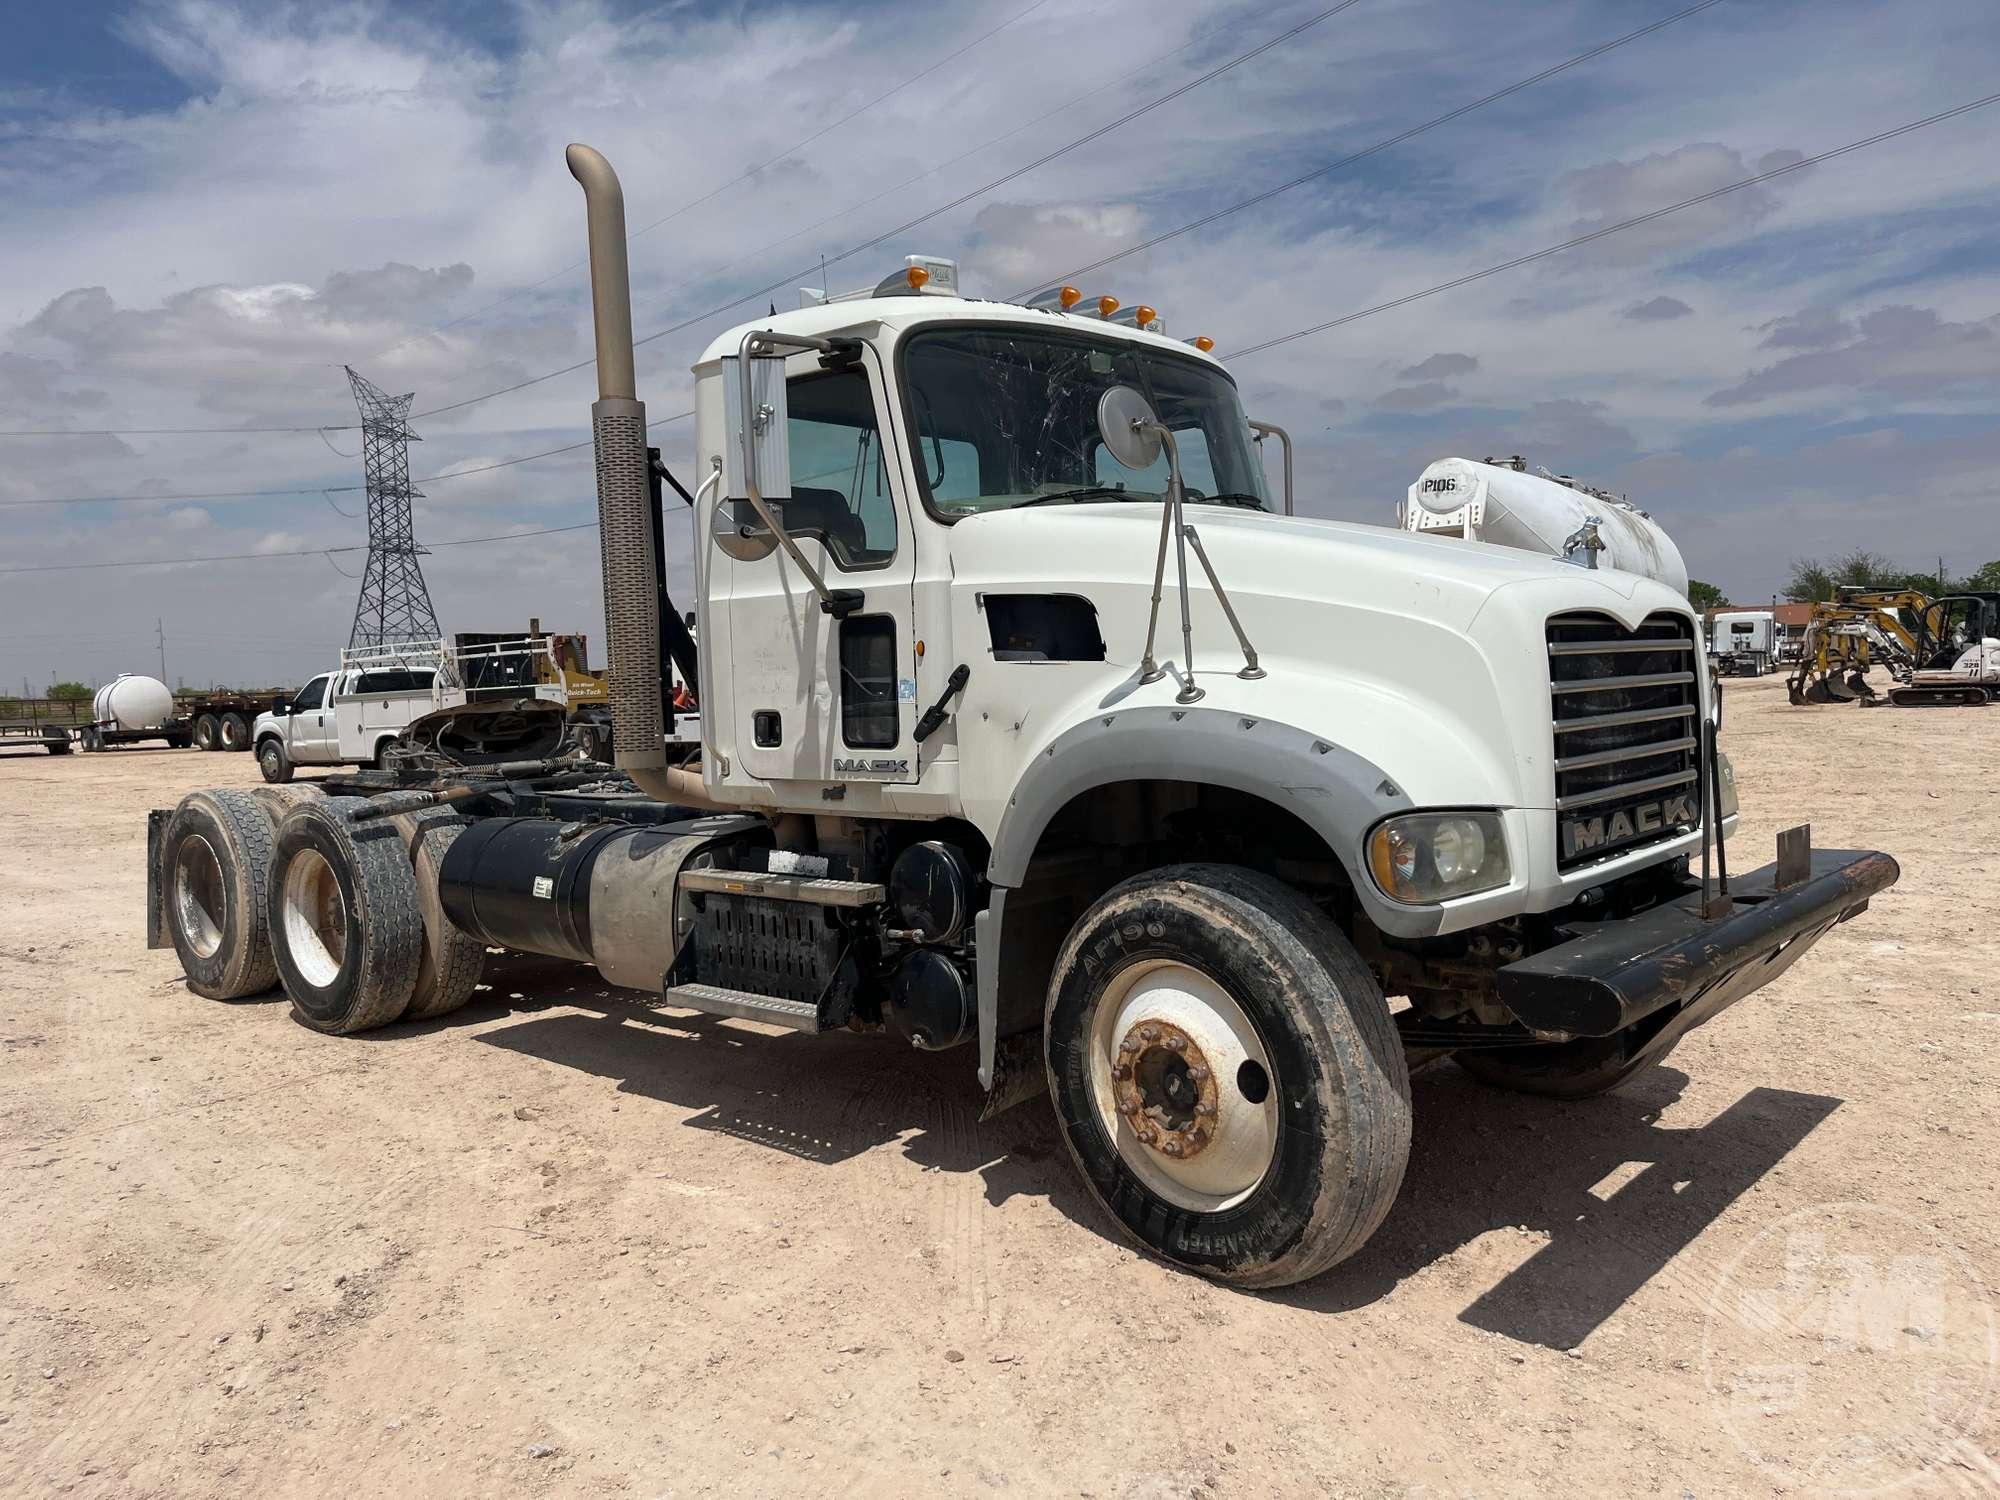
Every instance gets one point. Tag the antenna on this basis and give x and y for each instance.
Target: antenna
(394, 606)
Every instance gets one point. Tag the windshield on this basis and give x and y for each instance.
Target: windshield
(1006, 417)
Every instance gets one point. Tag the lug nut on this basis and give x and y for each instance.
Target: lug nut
(1128, 1045)
(1204, 1108)
(1147, 1137)
(1172, 1148)
(1150, 1033)
(1198, 1073)
(1176, 1043)
(1122, 1071)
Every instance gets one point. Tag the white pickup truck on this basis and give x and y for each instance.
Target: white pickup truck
(346, 717)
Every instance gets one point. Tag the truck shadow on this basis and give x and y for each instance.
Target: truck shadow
(821, 1099)
(1616, 1194)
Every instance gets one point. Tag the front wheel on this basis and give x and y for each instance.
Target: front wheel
(1226, 1074)
(274, 762)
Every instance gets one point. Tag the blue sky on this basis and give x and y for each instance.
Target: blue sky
(213, 206)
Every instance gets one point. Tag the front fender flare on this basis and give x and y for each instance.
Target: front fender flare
(1334, 791)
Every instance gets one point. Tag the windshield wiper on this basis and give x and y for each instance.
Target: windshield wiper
(1228, 497)
(1083, 492)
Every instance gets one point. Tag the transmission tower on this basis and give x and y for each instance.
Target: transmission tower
(394, 606)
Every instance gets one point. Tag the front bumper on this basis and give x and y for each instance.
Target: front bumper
(1616, 974)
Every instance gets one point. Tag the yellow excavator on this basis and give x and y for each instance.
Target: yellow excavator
(1940, 651)
(1847, 636)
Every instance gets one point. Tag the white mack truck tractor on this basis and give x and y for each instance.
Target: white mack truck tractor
(1032, 725)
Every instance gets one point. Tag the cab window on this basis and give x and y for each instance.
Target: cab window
(311, 696)
(840, 478)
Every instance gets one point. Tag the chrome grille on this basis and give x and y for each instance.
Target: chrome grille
(1626, 710)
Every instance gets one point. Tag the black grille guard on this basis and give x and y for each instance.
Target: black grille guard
(1614, 974)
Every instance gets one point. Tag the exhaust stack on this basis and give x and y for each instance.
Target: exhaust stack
(625, 515)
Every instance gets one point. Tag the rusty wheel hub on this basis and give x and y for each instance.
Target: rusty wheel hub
(1166, 1089)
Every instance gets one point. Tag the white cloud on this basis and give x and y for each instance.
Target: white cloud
(360, 183)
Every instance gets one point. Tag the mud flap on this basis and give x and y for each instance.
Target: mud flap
(1018, 1073)
(157, 935)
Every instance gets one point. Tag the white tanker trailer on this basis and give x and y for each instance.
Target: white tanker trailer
(132, 708)
(1503, 504)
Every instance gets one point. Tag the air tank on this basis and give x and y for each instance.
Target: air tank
(132, 704)
(1503, 505)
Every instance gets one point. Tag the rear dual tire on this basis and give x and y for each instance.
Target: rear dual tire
(215, 871)
(342, 909)
(1256, 1052)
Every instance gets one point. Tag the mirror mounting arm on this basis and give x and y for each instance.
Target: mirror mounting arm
(1271, 429)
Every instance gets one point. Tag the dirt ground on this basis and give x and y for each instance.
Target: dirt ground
(559, 1243)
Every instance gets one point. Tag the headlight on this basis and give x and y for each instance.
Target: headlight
(1422, 858)
(1725, 781)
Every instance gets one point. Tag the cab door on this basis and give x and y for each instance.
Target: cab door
(811, 697)
(308, 725)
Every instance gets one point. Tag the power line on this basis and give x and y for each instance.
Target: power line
(744, 176)
(1076, 144)
(947, 165)
(168, 562)
(1609, 229)
(958, 202)
(1380, 146)
(327, 489)
(167, 431)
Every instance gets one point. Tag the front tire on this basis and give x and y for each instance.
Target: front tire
(207, 732)
(274, 761)
(1226, 1075)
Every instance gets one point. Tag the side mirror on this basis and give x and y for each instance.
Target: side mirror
(756, 452)
(1130, 432)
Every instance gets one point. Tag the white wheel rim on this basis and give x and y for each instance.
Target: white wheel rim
(315, 918)
(1226, 1153)
(198, 895)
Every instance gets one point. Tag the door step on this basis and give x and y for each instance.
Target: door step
(803, 888)
(714, 1000)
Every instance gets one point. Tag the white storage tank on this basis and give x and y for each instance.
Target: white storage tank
(132, 704)
(1500, 504)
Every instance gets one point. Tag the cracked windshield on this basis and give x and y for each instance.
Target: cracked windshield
(1007, 419)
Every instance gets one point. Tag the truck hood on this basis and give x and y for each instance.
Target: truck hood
(1443, 580)
(1427, 655)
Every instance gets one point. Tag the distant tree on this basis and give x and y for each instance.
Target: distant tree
(1987, 579)
(1705, 596)
(1810, 581)
(69, 692)
(1864, 569)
